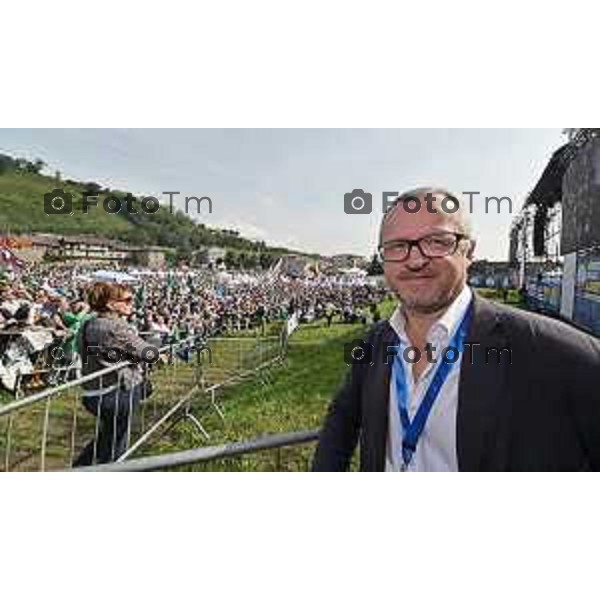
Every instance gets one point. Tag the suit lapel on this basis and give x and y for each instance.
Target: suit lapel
(482, 388)
(378, 400)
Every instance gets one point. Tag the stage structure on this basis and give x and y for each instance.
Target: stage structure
(555, 240)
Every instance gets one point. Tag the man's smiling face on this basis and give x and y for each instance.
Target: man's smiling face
(425, 285)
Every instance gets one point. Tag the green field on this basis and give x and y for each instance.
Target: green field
(293, 396)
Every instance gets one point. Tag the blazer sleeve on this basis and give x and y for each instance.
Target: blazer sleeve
(339, 435)
(584, 397)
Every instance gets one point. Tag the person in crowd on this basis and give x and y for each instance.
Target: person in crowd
(74, 316)
(329, 313)
(106, 340)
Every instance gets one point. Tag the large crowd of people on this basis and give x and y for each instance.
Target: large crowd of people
(43, 308)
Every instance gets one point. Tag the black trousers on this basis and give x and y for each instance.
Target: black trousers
(114, 411)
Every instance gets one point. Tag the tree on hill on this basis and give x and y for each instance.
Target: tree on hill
(7, 163)
(22, 165)
(37, 165)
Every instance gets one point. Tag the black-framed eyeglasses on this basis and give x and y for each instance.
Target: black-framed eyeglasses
(434, 245)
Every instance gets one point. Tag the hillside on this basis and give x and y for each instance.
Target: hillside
(22, 209)
(22, 189)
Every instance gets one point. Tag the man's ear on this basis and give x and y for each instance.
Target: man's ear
(471, 249)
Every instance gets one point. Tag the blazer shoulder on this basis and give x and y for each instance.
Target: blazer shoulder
(379, 330)
(553, 336)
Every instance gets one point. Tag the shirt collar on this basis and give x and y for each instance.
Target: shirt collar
(446, 325)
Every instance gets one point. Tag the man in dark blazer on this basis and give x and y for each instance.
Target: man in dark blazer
(526, 396)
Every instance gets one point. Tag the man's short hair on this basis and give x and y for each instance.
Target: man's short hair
(464, 221)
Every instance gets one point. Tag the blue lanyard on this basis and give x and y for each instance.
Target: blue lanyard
(412, 430)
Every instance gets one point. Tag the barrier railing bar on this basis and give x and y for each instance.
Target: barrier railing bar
(144, 437)
(45, 435)
(179, 404)
(208, 453)
(7, 408)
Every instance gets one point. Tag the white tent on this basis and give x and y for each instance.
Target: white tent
(354, 273)
(142, 273)
(113, 276)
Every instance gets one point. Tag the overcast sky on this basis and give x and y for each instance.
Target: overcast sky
(287, 186)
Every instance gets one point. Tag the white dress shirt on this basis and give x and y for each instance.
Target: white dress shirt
(436, 449)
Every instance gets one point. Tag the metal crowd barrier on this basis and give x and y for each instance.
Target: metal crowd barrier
(209, 453)
(231, 360)
(49, 429)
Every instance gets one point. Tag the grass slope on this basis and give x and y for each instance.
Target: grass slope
(22, 209)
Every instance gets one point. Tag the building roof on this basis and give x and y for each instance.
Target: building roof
(548, 190)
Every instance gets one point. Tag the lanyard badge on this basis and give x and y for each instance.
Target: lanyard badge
(412, 430)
